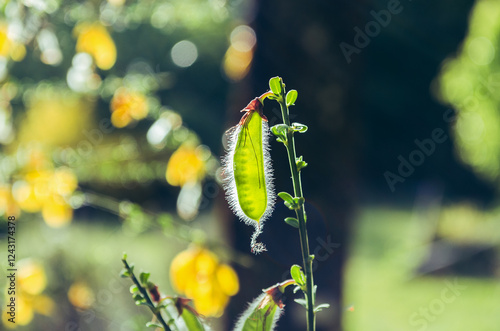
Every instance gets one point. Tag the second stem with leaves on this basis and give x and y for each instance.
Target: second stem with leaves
(285, 133)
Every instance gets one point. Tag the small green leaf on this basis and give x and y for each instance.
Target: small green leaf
(301, 165)
(143, 277)
(124, 257)
(292, 221)
(291, 202)
(275, 85)
(124, 273)
(280, 131)
(301, 302)
(286, 197)
(137, 297)
(296, 289)
(298, 275)
(296, 203)
(321, 307)
(144, 303)
(298, 127)
(134, 289)
(291, 96)
(299, 200)
(153, 325)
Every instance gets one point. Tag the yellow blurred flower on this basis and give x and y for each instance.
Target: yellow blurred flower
(185, 165)
(81, 295)
(31, 277)
(8, 47)
(94, 39)
(37, 158)
(8, 205)
(4, 41)
(127, 106)
(237, 63)
(31, 192)
(56, 212)
(197, 273)
(24, 313)
(55, 118)
(43, 304)
(31, 281)
(45, 191)
(64, 181)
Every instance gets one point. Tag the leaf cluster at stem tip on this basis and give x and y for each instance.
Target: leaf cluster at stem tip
(293, 203)
(278, 88)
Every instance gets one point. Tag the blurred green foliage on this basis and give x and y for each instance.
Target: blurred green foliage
(469, 82)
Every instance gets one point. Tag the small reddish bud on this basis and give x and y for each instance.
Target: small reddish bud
(155, 294)
(183, 303)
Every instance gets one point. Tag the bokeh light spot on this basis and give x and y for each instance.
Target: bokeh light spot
(243, 38)
(184, 53)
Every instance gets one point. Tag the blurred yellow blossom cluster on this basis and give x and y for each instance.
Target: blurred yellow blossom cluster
(31, 282)
(128, 106)
(55, 117)
(94, 39)
(198, 274)
(46, 191)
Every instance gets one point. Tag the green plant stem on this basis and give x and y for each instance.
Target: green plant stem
(301, 216)
(145, 294)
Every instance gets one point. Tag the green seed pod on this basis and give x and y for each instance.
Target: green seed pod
(248, 171)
